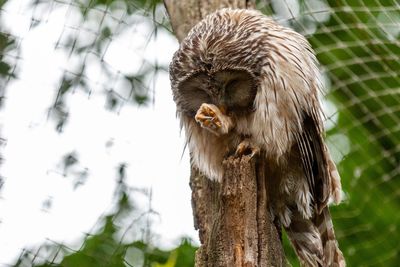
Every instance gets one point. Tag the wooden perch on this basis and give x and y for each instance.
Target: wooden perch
(232, 217)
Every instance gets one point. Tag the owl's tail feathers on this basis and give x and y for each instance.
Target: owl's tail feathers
(314, 240)
(332, 254)
(306, 240)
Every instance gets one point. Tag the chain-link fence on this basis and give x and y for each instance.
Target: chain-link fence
(115, 50)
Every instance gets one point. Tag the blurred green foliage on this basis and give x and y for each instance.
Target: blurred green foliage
(7, 44)
(358, 46)
(365, 86)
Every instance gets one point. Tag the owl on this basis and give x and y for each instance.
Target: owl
(244, 84)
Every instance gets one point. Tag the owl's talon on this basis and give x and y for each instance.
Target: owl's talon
(211, 118)
(211, 112)
(247, 148)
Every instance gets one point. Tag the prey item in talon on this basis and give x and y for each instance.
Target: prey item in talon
(211, 118)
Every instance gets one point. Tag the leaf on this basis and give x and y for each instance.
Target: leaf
(141, 99)
(4, 69)
(170, 262)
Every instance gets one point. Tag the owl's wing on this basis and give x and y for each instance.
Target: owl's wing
(315, 160)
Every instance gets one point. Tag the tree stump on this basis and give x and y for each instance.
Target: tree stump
(232, 217)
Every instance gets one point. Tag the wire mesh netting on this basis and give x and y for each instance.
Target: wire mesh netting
(357, 43)
(58, 51)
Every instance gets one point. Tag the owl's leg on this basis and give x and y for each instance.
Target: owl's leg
(210, 117)
(246, 147)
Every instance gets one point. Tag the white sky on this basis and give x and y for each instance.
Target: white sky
(148, 139)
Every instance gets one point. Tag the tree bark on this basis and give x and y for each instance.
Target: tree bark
(235, 227)
(184, 14)
(232, 217)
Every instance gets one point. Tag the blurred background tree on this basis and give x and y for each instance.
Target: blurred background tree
(357, 44)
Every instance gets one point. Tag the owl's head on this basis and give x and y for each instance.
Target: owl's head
(231, 89)
(219, 63)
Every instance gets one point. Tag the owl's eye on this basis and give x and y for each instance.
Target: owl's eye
(192, 100)
(239, 89)
(193, 94)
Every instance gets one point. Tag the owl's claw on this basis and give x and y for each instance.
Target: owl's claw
(211, 118)
(247, 148)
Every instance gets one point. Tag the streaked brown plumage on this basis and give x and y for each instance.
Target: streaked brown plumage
(242, 81)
